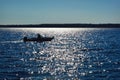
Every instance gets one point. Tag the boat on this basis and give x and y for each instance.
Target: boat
(38, 39)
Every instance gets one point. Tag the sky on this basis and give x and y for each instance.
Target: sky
(59, 11)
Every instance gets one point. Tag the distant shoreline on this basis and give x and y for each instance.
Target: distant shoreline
(62, 26)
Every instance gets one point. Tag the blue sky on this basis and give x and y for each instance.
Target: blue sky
(59, 11)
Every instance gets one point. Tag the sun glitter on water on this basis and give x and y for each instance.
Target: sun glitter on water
(59, 30)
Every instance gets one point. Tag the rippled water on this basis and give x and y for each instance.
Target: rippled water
(83, 54)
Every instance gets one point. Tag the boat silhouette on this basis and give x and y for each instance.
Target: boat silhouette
(38, 39)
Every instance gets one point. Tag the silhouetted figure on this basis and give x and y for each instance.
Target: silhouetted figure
(39, 36)
(25, 38)
(38, 39)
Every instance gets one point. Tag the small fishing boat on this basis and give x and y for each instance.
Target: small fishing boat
(38, 39)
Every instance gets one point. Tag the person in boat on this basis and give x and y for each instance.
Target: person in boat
(38, 39)
(39, 36)
(25, 38)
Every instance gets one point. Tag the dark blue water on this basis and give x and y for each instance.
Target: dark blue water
(85, 54)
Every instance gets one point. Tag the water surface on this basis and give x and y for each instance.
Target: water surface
(83, 54)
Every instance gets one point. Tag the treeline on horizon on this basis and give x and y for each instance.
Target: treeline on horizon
(65, 25)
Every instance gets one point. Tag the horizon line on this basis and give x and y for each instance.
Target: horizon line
(59, 23)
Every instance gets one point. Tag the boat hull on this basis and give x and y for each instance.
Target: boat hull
(38, 39)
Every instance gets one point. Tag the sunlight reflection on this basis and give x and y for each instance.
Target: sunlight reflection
(71, 55)
(51, 29)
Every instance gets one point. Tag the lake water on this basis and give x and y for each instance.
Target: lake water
(74, 54)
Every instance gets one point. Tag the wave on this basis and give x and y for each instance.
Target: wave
(18, 41)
